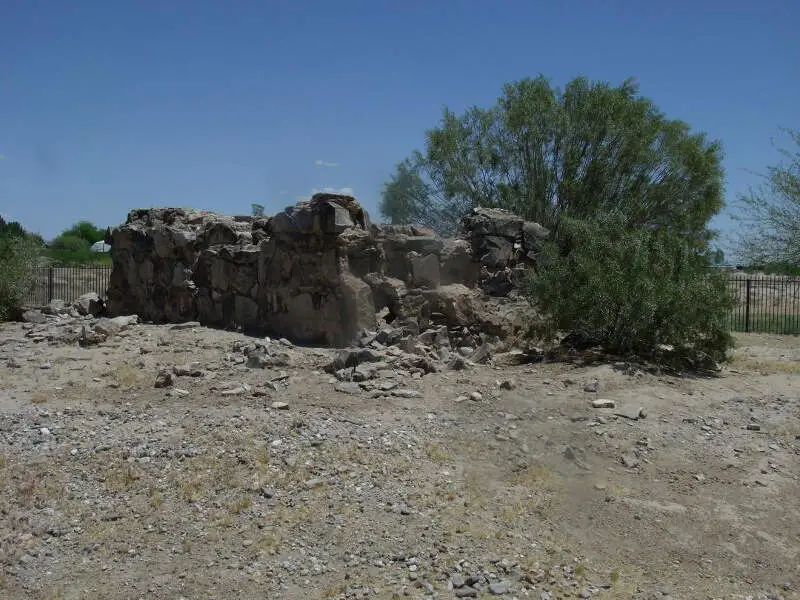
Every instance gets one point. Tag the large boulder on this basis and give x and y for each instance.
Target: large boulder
(89, 304)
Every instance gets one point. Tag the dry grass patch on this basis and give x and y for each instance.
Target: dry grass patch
(537, 476)
(126, 376)
(121, 477)
(40, 398)
(436, 452)
(766, 366)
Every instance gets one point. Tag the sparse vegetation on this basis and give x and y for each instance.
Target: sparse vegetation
(770, 215)
(20, 252)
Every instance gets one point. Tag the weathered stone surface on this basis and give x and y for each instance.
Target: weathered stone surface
(494, 251)
(34, 316)
(458, 264)
(494, 222)
(318, 272)
(109, 327)
(89, 304)
(54, 307)
(425, 270)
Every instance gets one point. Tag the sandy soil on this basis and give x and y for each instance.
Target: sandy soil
(267, 483)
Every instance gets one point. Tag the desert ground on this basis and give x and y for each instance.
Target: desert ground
(275, 480)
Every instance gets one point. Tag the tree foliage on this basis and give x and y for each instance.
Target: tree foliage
(70, 244)
(634, 292)
(85, 230)
(73, 245)
(626, 192)
(543, 152)
(771, 214)
(19, 253)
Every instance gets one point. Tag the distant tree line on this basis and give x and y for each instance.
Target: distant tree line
(73, 245)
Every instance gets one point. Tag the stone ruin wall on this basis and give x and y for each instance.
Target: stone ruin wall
(319, 272)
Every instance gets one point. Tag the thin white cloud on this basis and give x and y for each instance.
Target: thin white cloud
(325, 163)
(345, 191)
(2, 156)
(283, 192)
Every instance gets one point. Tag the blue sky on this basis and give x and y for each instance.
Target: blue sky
(111, 105)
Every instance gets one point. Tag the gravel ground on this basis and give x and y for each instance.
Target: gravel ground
(274, 479)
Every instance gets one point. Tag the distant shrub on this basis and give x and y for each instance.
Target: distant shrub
(70, 243)
(633, 292)
(18, 257)
(73, 249)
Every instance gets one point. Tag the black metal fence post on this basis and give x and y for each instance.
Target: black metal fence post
(50, 284)
(747, 308)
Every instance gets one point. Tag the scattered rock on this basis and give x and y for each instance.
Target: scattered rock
(407, 393)
(37, 317)
(627, 413)
(89, 304)
(109, 327)
(508, 384)
(481, 354)
(186, 325)
(280, 405)
(603, 403)
(163, 379)
(498, 588)
(191, 370)
(54, 307)
(236, 391)
(347, 387)
(630, 461)
(592, 387)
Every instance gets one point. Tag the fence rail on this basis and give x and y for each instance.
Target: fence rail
(766, 304)
(67, 283)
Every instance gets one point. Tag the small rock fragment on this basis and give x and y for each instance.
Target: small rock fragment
(406, 393)
(280, 405)
(163, 379)
(498, 588)
(603, 403)
(347, 387)
(314, 483)
(630, 461)
(186, 325)
(508, 384)
(234, 391)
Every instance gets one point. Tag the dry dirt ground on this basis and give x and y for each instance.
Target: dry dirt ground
(211, 488)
